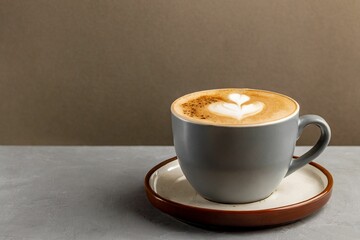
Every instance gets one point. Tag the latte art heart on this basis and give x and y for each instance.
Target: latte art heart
(233, 107)
(237, 109)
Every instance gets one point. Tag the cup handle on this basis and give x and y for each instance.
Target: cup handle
(318, 148)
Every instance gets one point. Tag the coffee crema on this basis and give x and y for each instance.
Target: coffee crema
(234, 106)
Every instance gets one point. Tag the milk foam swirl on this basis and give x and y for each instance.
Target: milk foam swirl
(236, 109)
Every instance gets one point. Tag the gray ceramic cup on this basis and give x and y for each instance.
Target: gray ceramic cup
(240, 164)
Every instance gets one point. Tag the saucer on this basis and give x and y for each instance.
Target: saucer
(299, 195)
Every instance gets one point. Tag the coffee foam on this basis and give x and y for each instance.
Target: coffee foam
(234, 106)
(237, 109)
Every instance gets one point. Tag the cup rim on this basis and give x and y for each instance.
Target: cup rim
(296, 112)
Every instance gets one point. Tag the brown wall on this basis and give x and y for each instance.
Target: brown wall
(105, 72)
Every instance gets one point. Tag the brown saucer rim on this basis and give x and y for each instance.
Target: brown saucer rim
(232, 218)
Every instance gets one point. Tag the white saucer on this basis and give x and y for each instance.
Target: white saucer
(298, 195)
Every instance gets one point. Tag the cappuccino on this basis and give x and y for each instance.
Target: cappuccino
(234, 106)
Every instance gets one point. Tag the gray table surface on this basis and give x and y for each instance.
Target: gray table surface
(97, 193)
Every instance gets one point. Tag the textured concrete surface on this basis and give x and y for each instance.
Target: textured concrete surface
(97, 193)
